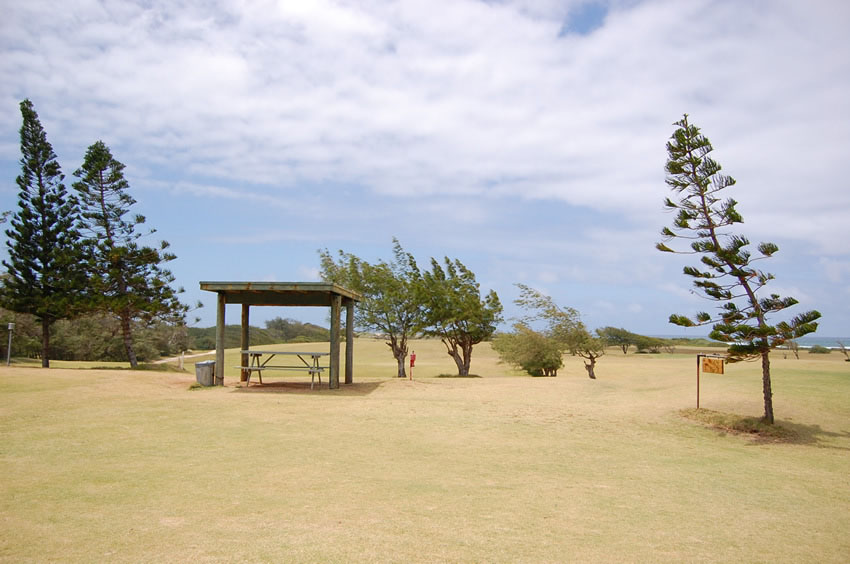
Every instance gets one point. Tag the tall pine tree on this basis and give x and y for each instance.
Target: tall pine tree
(128, 279)
(45, 276)
(727, 273)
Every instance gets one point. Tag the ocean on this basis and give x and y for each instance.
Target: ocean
(805, 342)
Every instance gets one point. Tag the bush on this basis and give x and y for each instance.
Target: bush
(818, 349)
(534, 352)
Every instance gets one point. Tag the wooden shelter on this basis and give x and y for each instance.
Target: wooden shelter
(286, 294)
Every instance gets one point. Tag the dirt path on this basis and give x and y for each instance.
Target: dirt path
(177, 358)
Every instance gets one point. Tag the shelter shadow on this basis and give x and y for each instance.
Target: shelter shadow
(355, 389)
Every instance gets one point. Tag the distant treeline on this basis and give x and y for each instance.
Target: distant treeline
(98, 337)
(91, 337)
(277, 330)
(618, 337)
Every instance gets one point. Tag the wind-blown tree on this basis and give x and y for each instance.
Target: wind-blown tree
(389, 289)
(588, 347)
(45, 273)
(794, 347)
(128, 279)
(456, 312)
(618, 337)
(563, 326)
(727, 274)
(843, 350)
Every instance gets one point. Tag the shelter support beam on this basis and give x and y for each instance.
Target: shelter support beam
(219, 340)
(246, 324)
(349, 341)
(333, 380)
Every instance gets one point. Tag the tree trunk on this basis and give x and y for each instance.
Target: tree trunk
(462, 367)
(589, 366)
(45, 343)
(399, 353)
(462, 361)
(401, 368)
(467, 358)
(768, 393)
(126, 332)
(462, 364)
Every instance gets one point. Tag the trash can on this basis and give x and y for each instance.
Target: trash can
(205, 373)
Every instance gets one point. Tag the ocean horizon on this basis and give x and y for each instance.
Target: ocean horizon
(805, 342)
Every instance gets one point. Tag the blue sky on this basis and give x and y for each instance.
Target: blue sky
(526, 138)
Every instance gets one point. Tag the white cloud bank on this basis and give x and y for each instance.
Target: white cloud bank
(470, 110)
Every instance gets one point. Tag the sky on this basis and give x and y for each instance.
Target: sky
(525, 138)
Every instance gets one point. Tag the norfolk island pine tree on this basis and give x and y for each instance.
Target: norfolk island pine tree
(726, 274)
(128, 279)
(45, 272)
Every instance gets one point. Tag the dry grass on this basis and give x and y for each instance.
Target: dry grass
(135, 467)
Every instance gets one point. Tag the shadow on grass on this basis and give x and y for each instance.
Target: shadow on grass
(457, 376)
(815, 435)
(92, 365)
(753, 427)
(149, 367)
(355, 389)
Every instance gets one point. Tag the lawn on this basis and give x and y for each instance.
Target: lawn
(124, 466)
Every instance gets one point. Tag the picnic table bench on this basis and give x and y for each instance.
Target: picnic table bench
(258, 364)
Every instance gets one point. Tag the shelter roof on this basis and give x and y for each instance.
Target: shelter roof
(280, 293)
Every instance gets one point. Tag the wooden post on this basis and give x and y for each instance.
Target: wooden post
(699, 358)
(246, 316)
(219, 341)
(349, 341)
(333, 380)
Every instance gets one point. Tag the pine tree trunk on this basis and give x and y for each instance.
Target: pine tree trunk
(126, 332)
(45, 343)
(768, 393)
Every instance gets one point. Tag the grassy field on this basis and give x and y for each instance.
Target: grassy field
(123, 466)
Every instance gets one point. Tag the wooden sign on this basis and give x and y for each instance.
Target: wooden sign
(712, 365)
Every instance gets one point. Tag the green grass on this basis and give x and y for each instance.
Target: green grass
(122, 466)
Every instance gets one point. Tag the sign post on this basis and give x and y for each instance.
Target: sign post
(9, 350)
(710, 364)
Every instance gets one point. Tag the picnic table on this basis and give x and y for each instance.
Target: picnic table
(258, 364)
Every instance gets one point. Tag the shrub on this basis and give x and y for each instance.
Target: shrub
(818, 349)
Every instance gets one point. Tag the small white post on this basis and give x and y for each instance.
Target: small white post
(9, 349)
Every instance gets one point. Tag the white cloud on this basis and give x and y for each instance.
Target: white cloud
(309, 273)
(836, 271)
(458, 125)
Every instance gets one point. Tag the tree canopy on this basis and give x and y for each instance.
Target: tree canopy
(389, 290)
(532, 351)
(400, 302)
(455, 311)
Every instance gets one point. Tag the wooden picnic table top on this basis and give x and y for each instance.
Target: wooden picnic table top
(288, 352)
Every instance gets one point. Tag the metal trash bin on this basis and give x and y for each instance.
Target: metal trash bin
(205, 373)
